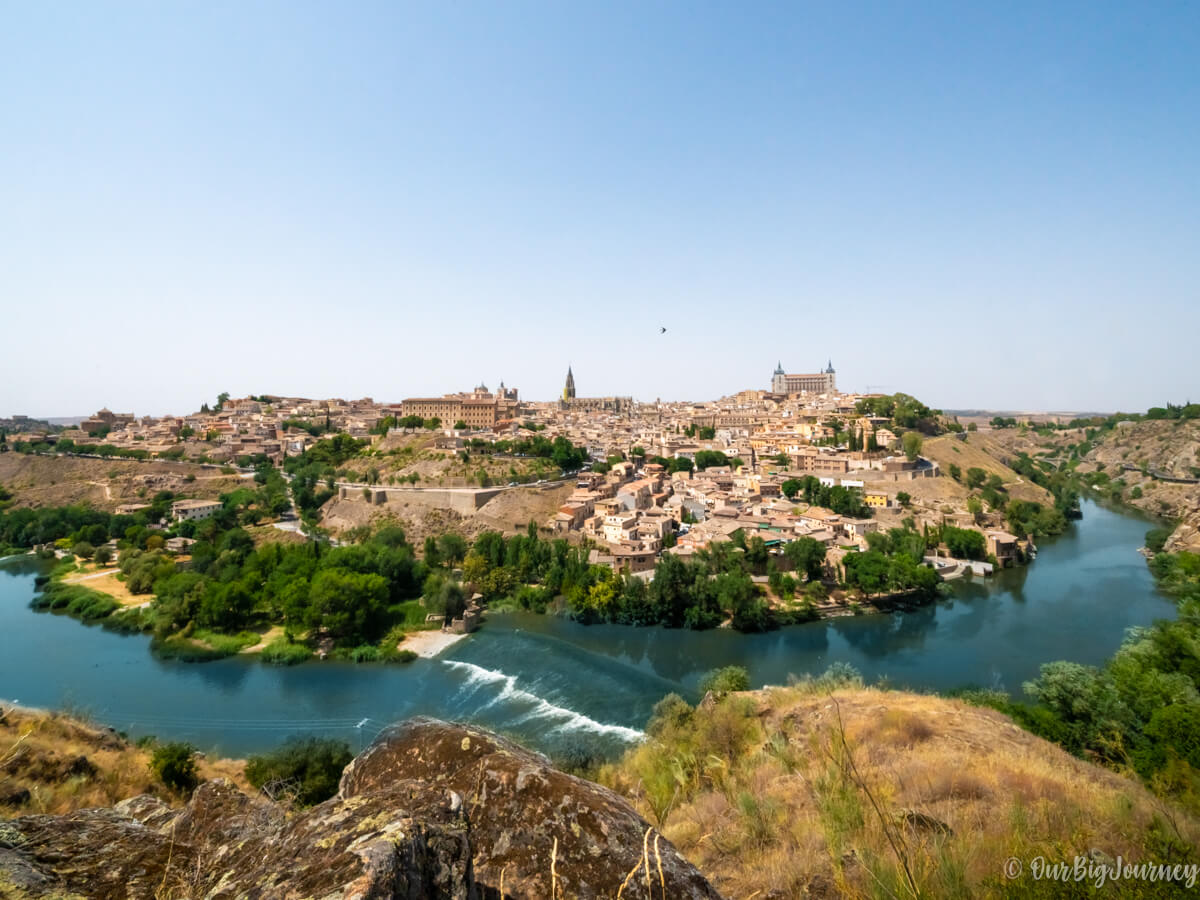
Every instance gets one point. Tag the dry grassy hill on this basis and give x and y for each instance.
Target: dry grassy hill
(827, 792)
(424, 513)
(814, 790)
(980, 451)
(53, 764)
(46, 481)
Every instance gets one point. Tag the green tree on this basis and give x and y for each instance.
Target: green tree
(976, 477)
(346, 604)
(964, 543)
(867, 571)
(807, 556)
(975, 508)
(912, 445)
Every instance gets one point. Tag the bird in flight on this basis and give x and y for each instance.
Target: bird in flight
(662, 329)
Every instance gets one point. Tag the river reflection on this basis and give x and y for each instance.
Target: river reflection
(550, 681)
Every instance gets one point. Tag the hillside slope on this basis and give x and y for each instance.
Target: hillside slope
(817, 790)
(47, 481)
(979, 451)
(53, 763)
(1130, 463)
(822, 789)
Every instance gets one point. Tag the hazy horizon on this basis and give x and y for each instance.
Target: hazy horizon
(985, 208)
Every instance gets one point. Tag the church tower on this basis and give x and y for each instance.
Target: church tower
(569, 388)
(779, 380)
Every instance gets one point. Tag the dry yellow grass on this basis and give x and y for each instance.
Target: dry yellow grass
(107, 583)
(982, 452)
(794, 792)
(45, 481)
(66, 765)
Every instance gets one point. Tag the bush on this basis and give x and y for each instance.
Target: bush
(672, 711)
(841, 674)
(76, 600)
(213, 645)
(363, 653)
(84, 550)
(581, 756)
(308, 766)
(174, 765)
(723, 681)
(1156, 539)
(282, 652)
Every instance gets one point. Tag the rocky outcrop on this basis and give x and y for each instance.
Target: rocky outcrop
(535, 831)
(407, 841)
(430, 810)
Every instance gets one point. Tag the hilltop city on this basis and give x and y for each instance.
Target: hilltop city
(631, 481)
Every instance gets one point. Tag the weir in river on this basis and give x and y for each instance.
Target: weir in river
(553, 684)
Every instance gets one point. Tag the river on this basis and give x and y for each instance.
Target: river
(551, 682)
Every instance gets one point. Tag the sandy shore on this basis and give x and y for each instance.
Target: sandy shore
(428, 644)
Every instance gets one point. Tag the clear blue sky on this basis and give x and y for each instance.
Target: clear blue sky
(995, 207)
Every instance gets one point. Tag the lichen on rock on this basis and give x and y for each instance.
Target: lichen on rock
(429, 810)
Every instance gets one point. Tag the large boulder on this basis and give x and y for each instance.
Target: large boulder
(535, 831)
(430, 810)
(409, 841)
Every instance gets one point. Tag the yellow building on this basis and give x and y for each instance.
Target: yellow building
(875, 499)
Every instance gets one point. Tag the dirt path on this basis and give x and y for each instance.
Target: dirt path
(99, 574)
(105, 485)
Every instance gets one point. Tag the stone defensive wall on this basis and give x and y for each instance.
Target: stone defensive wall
(462, 500)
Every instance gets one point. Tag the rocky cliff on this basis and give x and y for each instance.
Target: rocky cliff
(429, 810)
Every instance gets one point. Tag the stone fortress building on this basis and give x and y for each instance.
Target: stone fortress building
(480, 409)
(816, 383)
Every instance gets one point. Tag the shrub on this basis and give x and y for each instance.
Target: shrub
(841, 674)
(174, 764)
(282, 652)
(212, 645)
(581, 756)
(308, 766)
(76, 600)
(1156, 539)
(722, 681)
(84, 550)
(363, 653)
(672, 711)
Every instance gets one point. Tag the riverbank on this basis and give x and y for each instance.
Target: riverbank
(973, 798)
(554, 682)
(429, 644)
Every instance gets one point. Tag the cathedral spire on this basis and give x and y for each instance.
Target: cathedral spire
(569, 387)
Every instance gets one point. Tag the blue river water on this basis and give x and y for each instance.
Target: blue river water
(551, 682)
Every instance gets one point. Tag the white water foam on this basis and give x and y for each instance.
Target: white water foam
(477, 676)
